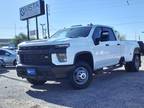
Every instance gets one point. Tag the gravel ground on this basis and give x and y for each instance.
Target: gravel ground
(117, 89)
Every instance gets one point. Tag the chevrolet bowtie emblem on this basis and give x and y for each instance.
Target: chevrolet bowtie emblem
(46, 57)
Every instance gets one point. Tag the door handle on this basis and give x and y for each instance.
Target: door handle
(118, 44)
(106, 44)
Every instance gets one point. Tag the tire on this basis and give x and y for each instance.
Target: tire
(134, 65)
(36, 82)
(81, 76)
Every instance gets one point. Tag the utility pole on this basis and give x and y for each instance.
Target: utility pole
(37, 31)
(135, 36)
(139, 38)
(28, 29)
(42, 25)
(15, 30)
(45, 31)
(47, 14)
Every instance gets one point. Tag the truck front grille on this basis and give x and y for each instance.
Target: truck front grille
(35, 55)
(35, 59)
(44, 47)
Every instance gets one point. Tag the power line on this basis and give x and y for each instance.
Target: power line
(128, 23)
(124, 3)
(128, 3)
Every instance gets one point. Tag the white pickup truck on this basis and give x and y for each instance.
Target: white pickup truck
(76, 53)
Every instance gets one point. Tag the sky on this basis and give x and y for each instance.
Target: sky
(127, 17)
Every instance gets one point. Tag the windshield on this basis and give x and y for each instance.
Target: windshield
(73, 32)
(10, 51)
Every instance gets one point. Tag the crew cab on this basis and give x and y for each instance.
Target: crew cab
(76, 53)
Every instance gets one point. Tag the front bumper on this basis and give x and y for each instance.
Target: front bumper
(44, 72)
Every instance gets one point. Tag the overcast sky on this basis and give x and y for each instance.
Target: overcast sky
(126, 17)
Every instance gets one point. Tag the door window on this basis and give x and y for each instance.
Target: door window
(107, 35)
(4, 53)
(97, 33)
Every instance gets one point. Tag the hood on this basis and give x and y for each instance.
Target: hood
(51, 41)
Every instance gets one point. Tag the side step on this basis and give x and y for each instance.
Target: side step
(109, 68)
(112, 67)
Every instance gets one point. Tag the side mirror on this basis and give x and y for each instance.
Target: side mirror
(96, 41)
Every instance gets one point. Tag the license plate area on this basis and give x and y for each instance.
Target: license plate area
(31, 71)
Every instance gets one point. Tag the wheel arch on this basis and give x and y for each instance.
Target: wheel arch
(85, 56)
(137, 51)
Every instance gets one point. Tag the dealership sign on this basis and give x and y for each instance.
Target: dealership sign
(32, 32)
(32, 10)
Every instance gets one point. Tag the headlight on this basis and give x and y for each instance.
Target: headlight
(62, 45)
(62, 57)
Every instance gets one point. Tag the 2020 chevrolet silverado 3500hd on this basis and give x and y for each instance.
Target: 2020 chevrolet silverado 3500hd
(76, 53)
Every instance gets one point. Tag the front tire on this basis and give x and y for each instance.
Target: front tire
(36, 82)
(81, 76)
(134, 65)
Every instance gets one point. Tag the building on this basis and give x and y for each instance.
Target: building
(5, 42)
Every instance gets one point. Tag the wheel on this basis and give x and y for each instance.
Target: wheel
(36, 82)
(81, 76)
(134, 65)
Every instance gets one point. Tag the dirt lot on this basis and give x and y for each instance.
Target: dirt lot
(117, 89)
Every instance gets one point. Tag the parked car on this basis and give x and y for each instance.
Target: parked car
(8, 57)
(76, 53)
(9, 48)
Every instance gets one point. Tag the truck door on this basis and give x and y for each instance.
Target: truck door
(106, 52)
(113, 45)
(101, 51)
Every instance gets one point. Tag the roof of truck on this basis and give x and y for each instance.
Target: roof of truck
(91, 25)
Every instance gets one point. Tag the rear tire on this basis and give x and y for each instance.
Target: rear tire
(134, 65)
(81, 76)
(36, 82)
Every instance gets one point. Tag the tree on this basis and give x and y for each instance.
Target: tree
(20, 38)
(122, 37)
